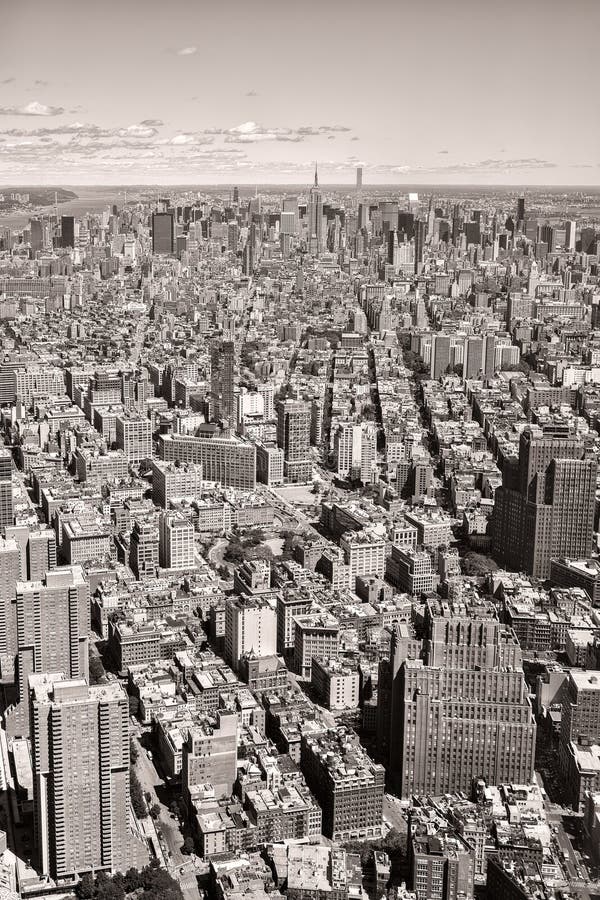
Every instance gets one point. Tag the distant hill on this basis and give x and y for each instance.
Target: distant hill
(37, 196)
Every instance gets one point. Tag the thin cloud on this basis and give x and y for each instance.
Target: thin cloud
(83, 130)
(443, 152)
(39, 82)
(481, 166)
(35, 108)
(252, 133)
(8, 80)
(152, 123)
(252, 94)
(187, 51)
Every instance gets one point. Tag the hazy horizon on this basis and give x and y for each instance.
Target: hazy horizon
(272, 186)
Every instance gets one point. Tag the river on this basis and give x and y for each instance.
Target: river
(89, 200)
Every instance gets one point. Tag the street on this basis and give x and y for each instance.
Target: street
(179, 865)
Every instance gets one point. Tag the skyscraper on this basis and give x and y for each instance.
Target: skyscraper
(520, 213)
(222, 379)
(359, 178)
(176, 548)
(80, 760)
(163, 232)
(67, 231)
(355, 450)
(53, 624)
(6, 496)
(545, 507)
(462, 711)
(10, 569)
(134, 436)
(420, 235)
(473, 359)
(440, 355)
(293, 436)
(250, 627)
(37, 234)
(315, 218)
(143, 549)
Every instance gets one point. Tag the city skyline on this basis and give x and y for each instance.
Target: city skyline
(413, 94)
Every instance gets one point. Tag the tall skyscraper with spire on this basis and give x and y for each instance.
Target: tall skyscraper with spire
(315, 218)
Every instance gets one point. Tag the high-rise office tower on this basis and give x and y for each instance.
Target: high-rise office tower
(473, 358)
(134, 436)
(6, 495)
(67, 231)
(222, 379)
(315, 218)
(289, 215)
(570, 235)
(53, 624)
(520, 213)
(457, 223)
(440, 355)
(489, 361)
(406, 224)
(10, 570)
(143, 549)
(293, 436)
(163, 232)
(389, 216)
(420, 235)
(80, 759)
(233, 236)
(462, 711)
(588, 240)
(363, 215)
(250, 627)
(547, 236)
(359, 178)
(36, 227)
(248, 259)
(37, 550)
(236, 194)
(355, 450)
(545, 506)
(579, 732)
(176, 547)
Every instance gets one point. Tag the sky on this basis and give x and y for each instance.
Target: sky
(256, 91)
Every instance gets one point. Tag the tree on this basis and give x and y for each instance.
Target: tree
(151, 883)
(85, 888)
(133, 752)
(137, 797)
(188, 845)
(257, 536)
(259, 552)
(97, 673)
(476, 564)
(235, 551)
(155, 810)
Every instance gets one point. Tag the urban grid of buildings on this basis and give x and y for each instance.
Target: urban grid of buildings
(299, 554)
